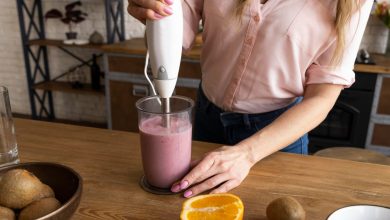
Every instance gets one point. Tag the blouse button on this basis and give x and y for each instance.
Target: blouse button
(256, 18)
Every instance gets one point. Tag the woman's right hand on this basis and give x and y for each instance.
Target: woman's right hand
(150, 9)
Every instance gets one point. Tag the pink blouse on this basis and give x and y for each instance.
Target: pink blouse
(265, 61)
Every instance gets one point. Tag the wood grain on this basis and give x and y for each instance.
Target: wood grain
(355, 154)
(109, 162)
(381, 135)
(382, 65)
(123, 110)
(125, 64)
(384, 103)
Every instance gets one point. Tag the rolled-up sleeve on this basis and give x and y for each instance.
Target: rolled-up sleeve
(322, 71)
(192, 12)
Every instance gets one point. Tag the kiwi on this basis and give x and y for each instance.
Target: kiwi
(285, 208)
(6, 213)
(18, 188)
(39, 208)
(46, 191)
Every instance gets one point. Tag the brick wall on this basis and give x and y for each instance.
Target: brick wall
(82, 107)
(12, 73)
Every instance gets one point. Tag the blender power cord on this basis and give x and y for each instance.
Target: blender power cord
(147, 76)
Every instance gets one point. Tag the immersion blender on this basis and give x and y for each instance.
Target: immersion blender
(165, 41)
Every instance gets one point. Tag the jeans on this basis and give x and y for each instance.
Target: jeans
(212, 124)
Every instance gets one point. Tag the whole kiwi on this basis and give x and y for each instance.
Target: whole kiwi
(39, 208)
(6, 213)
(45, 191)
(285, 208)
(18, 188)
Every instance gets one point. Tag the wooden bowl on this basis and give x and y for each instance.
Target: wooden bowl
(65, 182)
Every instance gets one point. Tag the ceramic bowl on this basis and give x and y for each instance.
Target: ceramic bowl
(65, 182)
(361, 212)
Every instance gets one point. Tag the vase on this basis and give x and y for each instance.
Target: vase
(71, 35)
(96, 38)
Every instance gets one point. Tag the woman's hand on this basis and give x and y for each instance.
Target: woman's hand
(224, 169)
(149, 9)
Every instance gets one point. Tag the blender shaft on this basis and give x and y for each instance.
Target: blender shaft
(166, 109)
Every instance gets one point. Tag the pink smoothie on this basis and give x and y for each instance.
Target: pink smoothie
(166, 152)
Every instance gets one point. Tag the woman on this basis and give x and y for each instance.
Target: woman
(258, 58)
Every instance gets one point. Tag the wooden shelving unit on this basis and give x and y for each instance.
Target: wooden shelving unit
(61, 86)
(35, 53)
(67, 87)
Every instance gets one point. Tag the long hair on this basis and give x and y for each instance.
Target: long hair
(344, 11)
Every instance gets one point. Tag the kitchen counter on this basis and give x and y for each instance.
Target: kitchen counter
(110, 164)
(136, 46)
(382, 65)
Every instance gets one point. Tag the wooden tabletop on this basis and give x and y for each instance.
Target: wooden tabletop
(109, 162)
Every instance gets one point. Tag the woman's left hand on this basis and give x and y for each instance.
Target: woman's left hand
(225, 167)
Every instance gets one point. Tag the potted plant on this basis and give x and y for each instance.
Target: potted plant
(72, 16)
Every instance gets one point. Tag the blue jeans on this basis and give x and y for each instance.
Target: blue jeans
(212, 124)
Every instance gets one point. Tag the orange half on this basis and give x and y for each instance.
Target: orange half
(213, 206)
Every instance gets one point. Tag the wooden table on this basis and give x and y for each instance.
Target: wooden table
(109, 162)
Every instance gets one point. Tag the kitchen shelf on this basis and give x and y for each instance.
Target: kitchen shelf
(60, 43)
(382, 65)
(67, 87)
(36, 58)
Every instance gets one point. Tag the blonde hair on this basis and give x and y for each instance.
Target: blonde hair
(344, 11)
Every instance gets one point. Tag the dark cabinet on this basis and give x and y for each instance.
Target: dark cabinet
(123, 98)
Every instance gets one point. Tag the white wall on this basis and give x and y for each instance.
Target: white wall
(83, 107)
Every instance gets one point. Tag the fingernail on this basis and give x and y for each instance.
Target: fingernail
(184, 184)
(175, 188)
(168, 10)
(169, 2)
(188, 193)
(158, 16)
